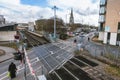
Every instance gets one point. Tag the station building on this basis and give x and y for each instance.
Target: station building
(109, 22)
(7, 30)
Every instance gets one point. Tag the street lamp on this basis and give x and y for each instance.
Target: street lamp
(54, 8)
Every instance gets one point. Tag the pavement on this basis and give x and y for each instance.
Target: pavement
(8, 53)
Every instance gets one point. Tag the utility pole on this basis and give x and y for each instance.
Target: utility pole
(54, 8)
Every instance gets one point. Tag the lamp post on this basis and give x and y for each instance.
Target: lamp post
(54, 8)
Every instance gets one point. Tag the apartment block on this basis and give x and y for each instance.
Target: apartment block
(109, 22)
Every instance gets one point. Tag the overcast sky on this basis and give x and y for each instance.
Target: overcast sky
(85, 11)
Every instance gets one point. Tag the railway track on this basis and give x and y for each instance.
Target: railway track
(81, 70)
(77, 68)
(89, 68)
(35, 40)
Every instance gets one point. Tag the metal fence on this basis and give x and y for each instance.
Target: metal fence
(104, 51)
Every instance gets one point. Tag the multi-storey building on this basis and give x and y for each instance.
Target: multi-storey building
(109, 22)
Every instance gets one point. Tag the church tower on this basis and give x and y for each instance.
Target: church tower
(71, 17)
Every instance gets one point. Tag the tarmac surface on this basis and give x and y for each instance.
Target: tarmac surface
(8, 53)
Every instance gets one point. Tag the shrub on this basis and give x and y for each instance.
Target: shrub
(63, 36)
(77, 52)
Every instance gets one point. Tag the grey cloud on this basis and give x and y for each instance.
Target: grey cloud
(82, 13)
(95, 11)
(87, 12)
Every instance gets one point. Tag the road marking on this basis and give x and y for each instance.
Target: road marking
(5, 73)
(34, 70)
(19, 67)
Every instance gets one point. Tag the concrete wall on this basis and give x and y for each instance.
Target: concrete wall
(105, 38)
(113, 38)
(101, 36)
(7, 35)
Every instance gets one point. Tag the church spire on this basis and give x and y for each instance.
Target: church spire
(71, 17)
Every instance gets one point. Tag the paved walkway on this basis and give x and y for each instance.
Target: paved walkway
(8, 53)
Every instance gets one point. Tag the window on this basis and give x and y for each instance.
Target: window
(102, 2)
(102, 10)
(101, 18)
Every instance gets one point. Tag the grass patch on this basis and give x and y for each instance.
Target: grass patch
(113, 70)
(109, 56)
(77, 52)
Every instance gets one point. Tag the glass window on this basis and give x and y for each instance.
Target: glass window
(102, 10)
(101, 18)
(102, 2)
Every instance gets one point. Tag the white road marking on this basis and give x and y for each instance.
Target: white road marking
(20, 67)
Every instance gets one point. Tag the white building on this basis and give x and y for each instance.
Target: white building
(31, 26)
